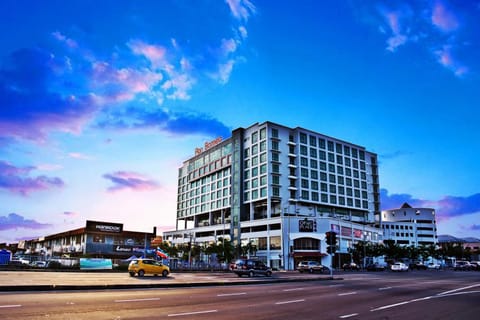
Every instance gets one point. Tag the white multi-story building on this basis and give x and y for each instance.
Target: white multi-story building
(280, 189)
(409, 226)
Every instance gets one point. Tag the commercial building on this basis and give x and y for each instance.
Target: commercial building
(96, 239)
(278, 189)
(409, 226)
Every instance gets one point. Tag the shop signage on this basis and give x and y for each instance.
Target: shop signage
(104, 227)
(208, 145)
(306, 225)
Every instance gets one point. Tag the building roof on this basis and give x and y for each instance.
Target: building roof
(406, 206)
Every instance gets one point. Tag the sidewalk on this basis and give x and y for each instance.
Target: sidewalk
(51, 281)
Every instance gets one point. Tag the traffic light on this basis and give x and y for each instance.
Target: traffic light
(331, 239)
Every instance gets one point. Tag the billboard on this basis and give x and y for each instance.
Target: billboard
(97, 226)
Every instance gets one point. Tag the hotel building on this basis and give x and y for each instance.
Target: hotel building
(409, 226)
(279, 189)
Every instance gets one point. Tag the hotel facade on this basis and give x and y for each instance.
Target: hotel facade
(408, 226)
(279, 189)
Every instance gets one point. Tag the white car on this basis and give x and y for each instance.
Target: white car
(433, 266)
(399, 266)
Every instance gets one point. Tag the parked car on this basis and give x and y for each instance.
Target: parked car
(251, 267)
(462, 266)
(350, 266)
(475, 265)
(39, 264)
(433, 266)
(376, 267)
(147, 266)
(399, 266)
(418, 265)
(311, 267)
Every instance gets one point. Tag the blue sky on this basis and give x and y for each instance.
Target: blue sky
(102, 101)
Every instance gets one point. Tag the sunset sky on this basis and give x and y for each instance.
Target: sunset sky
(102, 101)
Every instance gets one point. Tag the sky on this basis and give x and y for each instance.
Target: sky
(102, 101)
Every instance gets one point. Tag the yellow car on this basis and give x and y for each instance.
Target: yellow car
(147, 266)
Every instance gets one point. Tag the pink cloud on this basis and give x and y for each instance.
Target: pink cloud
(446, 59)
(124, 180)
(241, 9)
(62, 38)
(444, 19)
(16, 180)
(15, 221)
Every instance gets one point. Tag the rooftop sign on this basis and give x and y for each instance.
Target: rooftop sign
(208, 145)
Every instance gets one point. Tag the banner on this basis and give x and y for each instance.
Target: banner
(95, 264)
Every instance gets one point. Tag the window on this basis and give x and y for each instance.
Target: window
(313, 152)
(275, 145)
(330, 146)
(254, 172)
(263, 157)
(313, 164)
(263, 133)
(255, 161)
(304, 172)
(313, 141)
(263, 180)
(303, 150)
(274, 133)
(275, 180)
(305, 195)
(263, 146)
(254, 149)
(303, 138)
(321, 143)
(275, 168)
(263, 169)
(263, 192)
(276, 191)
(275, 156)
(254, 137)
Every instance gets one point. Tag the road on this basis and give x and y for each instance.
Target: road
(383, 295)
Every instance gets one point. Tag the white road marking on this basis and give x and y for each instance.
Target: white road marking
(384, 288)
(348, 315)
(459, 289)
(231, 294)
(137, 300)
(294, 289)
(347, 293)
(190, 313)
(11, 306)
(290, 301)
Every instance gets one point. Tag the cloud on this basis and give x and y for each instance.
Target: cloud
(15, 221)
(444, 19)
(241, 9)
(448, 207)
(124, 180)
(64, 88)
(71, 214)
(16, 180)
(78, 155)
(432, 25)
(164, 121)
(30, 107)
(446, 59)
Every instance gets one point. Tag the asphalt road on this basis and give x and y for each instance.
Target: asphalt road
(386, 295)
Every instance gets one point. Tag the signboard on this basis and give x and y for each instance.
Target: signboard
(208, 145)
(108, 227)
(306, 225)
